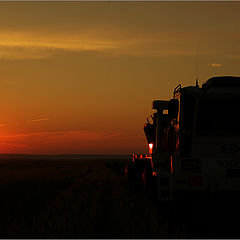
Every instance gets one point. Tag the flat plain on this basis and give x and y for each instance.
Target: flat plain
(81, 197)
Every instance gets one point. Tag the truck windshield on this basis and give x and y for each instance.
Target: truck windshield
(218, 118)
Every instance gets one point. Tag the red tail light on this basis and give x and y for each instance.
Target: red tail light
(171, 166)
(154, 174)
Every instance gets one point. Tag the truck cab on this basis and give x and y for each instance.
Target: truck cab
(195, 138)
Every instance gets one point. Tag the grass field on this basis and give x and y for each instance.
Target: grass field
(65, 197)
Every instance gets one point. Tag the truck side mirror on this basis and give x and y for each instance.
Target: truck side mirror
(173, 107)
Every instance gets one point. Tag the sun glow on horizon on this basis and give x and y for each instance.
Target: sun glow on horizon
(80, 77)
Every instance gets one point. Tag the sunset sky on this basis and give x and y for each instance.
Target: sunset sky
(80, 77)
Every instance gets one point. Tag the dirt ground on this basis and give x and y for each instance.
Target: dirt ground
(71, 198)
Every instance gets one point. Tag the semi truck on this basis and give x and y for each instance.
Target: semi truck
(193, 141)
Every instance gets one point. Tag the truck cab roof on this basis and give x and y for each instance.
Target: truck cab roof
(222, 85)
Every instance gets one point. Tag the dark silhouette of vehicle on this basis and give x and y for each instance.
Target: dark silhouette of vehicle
(194, 140)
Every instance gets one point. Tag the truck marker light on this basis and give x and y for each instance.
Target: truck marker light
(154, 174)
(150, 145)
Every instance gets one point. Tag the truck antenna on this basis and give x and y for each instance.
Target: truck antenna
(197, 63)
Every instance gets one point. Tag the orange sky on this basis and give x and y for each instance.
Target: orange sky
(80, 77)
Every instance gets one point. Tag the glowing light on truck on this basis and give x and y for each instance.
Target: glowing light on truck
(150, 145)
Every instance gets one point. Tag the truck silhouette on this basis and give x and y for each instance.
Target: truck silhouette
(194, 141)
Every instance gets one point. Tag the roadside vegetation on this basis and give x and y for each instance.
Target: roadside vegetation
(92, 199)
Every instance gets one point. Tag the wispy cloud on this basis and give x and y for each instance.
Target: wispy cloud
(15, 145)
(40, 119)
(33, 134)
(114, 134)
(28, 45)
(215, 65)
(82, 134)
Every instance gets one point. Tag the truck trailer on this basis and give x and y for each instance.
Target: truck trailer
(193, 140)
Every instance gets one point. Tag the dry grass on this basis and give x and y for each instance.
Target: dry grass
(91, 199)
